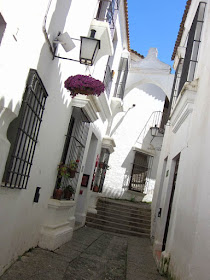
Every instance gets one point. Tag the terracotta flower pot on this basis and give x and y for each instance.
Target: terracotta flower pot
(101, 165)
(72, 173)
(67, 194)
(57, 194)
(95, 188)
(85, 91)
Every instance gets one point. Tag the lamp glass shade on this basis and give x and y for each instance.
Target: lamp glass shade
(154, 130)
(88, 50)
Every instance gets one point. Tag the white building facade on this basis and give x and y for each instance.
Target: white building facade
(41, 125)
(180, 222)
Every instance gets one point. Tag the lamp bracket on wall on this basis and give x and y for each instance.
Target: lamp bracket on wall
(88, 48)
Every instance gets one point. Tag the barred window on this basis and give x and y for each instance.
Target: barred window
(23, 133)
(107, 11)
(121, 78)
(141, 172)
(193, 43)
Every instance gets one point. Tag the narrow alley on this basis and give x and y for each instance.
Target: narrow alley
(92, 254)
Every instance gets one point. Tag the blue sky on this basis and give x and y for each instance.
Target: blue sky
(155, 23)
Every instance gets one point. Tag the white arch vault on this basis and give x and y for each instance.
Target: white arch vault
(149, 70)
(149, 81)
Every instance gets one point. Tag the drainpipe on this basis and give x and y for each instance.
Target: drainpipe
(44, 28)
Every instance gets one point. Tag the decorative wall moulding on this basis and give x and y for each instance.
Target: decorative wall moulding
(183, 108)
(104, 35)
(108, 143)
(87, 105)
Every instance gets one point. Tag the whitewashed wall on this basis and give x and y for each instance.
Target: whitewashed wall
(188, 243)
(20, 218)
(125, 131)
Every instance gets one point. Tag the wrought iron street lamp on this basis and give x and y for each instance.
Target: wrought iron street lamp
(89, 49)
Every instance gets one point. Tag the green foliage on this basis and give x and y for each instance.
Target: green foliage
(69, 188)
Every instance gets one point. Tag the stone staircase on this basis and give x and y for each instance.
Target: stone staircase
(123, 217)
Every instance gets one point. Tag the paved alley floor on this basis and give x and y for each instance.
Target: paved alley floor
(91, 254)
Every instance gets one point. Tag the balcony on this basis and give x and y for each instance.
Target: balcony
(107, 12)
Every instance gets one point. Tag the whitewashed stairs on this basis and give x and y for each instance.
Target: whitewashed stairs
(123, 217)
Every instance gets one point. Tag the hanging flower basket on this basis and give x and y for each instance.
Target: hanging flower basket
(81, 84)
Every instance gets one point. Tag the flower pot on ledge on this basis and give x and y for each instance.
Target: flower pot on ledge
(72, 173)
(95, 188)
(67, 194)
(82, 84)
(57, 194)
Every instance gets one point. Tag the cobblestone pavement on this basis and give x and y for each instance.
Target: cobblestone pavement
(91, 254)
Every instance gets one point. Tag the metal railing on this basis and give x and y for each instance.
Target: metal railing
(194, 39)
(158, 120)
(108, 80)
(107, 11)
(121, 78)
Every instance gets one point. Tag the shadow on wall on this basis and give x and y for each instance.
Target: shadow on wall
(150, 89)
(57, 114)
(49, 69)
(5, 112)
(127, 164)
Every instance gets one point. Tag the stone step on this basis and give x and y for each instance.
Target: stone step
(124, 219)
(118, 207)
(117, 230)
(126, 215)
(126, 205)
(117, 225)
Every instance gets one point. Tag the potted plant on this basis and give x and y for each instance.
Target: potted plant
(57, 194)
(95, 188)
(68, 191)
(102, 165)
(68, 170)
(82, 84)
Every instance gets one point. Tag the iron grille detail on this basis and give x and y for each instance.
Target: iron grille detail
(26, 130)
(175, 93)
(121, 78)
(140, 172)
(107, 11)
(74, 145)
(194, 39)
(108, 80)
(101, 170)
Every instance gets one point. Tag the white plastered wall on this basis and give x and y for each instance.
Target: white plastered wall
(188, 242)
(21, 219)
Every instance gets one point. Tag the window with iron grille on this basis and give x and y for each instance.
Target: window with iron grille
(175, 92)
(121, 78)
(107, 11)
(23, 133)
(140, 172)
(102, 169)
(74, 145)
(108, 80)
(194, 39)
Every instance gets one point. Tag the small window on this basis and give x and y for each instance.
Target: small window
(23, 134)
(2, 27)
(121, 78)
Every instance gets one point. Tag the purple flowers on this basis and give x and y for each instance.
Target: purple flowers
(84, 85)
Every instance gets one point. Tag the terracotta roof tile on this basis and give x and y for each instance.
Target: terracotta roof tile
(181, 29)
(135, 52)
